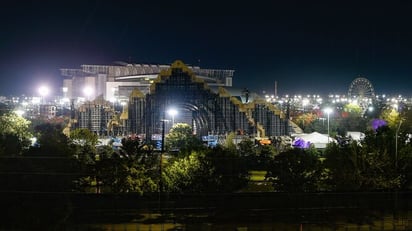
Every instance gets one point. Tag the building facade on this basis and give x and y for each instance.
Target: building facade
(116, 82)
(98, 116)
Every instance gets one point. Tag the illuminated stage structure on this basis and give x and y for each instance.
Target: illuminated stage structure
(208, 111)
(202, 97)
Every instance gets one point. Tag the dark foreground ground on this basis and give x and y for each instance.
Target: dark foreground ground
(235, 211)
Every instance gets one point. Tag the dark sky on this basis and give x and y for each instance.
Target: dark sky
(306, 46)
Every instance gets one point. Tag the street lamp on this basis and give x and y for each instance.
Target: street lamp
(172, 112)
(328, 111)
(43, 91)
(161, 155)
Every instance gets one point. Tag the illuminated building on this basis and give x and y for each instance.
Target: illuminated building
(116, 82)
(203, 98)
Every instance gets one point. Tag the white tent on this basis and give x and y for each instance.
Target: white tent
(315, 138)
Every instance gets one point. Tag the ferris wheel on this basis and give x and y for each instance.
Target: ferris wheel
(361, 88)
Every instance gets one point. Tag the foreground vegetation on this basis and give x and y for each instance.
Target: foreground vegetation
(382, 161)
(76, 164)
(57, 163)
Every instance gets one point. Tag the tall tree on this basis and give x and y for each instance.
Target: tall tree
(295, 170)
(133, 168)
(185, 174)
(229, 142)
(343, 165)
(84, 136)
(51, 141)
(14, 134)
(391, 116)
(248, 152)
(246, 148)
(214, 170)
(305, 121)
(369, 165)
(121, 174)
(181, 137)
(380, 170)
(405, 166)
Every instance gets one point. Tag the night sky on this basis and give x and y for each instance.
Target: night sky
(315, 47)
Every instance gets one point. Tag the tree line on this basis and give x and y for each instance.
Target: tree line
(382, 161)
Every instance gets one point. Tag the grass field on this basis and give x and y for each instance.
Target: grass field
(257, 182)
(257, 176)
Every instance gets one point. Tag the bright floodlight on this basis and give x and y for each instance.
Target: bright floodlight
(88, 91)
(172, 112)
(328, 110)
(43, 91)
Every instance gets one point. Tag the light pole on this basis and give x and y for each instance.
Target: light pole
(172, 112)
(328, 111)
(396, 143)
(161, 155)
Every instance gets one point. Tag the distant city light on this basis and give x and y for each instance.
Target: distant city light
(36, 100)
(305, 102)
(395, 106)
(64, 101)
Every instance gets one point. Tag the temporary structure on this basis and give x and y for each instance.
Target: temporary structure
(316, 139)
